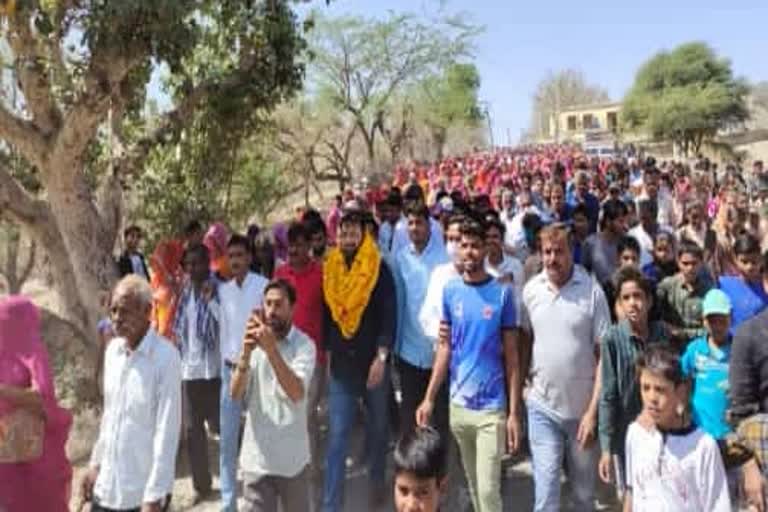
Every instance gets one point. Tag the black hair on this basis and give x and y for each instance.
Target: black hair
(493, 222)
(414, 193)
(394, 198)
(627, 242)
(456, 218)
(746, 244)
(632, 275)
(238, 240)
(581, 209)
(660, 359)
(353, 217)
(421, 452)
(298, 230)
(311, 215)
(197, 250)
(612, 210)
(133, 228)
(285, 287)
(192, 227)
(417, 209)
(473, 229)
(690, 247)
(649, 205)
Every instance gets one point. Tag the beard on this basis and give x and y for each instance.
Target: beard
(279, 326)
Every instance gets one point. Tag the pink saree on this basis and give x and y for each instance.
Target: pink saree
(43, 484)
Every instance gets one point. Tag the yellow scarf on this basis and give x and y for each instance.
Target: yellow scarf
(347, 290)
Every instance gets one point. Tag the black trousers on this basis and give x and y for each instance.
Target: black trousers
(200, 405)
(95, 507)
(413, 386)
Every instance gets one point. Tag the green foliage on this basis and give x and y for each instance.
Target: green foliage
(686, 96)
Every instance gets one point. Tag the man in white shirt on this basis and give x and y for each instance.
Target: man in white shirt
(273, 375)
(133, 462)
(432, 308)
(238, 298)
(196, 332)
(566, 312)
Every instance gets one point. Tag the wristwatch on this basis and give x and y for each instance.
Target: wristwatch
(382, 356)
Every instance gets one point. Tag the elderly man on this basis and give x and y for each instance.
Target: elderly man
(133, 461)
(272, 376)
(566, 314)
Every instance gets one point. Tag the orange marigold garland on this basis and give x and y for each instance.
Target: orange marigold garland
(347, 290)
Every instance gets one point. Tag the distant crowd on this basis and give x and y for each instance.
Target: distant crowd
(605, 316)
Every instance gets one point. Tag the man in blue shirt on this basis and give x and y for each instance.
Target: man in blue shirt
(580, 194)
(478, 341)
(414, 348)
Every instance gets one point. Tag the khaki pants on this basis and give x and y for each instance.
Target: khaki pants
(481, 436)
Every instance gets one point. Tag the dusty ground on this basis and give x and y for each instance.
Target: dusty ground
(517, 488)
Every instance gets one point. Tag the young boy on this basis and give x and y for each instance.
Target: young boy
(670, 464)
(420, 472)
(628, 253)
(620, 347)
(706, 362)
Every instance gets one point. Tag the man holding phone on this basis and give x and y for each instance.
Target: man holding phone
(272, 377)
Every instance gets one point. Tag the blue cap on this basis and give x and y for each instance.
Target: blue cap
(716, 302)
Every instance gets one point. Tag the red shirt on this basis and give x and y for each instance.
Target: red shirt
(308, 310)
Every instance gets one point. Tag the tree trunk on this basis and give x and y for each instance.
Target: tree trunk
(79, 248)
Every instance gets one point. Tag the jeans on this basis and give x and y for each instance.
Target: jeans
(343, 401)
(550, 438)
(481, 436)
(231, 412)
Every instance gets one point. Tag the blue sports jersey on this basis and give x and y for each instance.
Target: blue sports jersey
(477, 314)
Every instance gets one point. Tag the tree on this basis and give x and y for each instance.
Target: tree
(82, 70)
(557, 92)
(361, 65)
(685, 96)
(760, 94)
(449, 100)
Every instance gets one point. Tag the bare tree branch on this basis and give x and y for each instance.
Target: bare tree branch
(33, 77)
(18, 204)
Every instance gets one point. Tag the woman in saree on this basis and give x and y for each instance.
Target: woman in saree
(26, 385)
(167, 276)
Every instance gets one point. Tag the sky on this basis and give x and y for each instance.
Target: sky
(607, 40)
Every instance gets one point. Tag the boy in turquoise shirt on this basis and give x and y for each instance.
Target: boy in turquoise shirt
(706, 361)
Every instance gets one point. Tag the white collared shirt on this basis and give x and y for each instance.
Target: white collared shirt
(432, 308)
(139, 433)
(237, 304)
(566, 324)
(276, 439)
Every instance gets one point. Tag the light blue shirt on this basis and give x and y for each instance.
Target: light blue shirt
(414, 271)
(708, 367)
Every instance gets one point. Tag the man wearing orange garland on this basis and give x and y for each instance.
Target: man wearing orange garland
(359, 328)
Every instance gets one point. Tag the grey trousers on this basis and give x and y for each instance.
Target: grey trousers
(262, 493)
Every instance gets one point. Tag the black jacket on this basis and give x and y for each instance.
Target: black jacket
(125, 267)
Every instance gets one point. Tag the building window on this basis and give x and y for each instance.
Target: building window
(571, 123)
(613, 121)
(588, 121)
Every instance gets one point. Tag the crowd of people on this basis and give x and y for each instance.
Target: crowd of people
(606, 316)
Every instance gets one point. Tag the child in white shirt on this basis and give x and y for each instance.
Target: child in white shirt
(672, 466)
